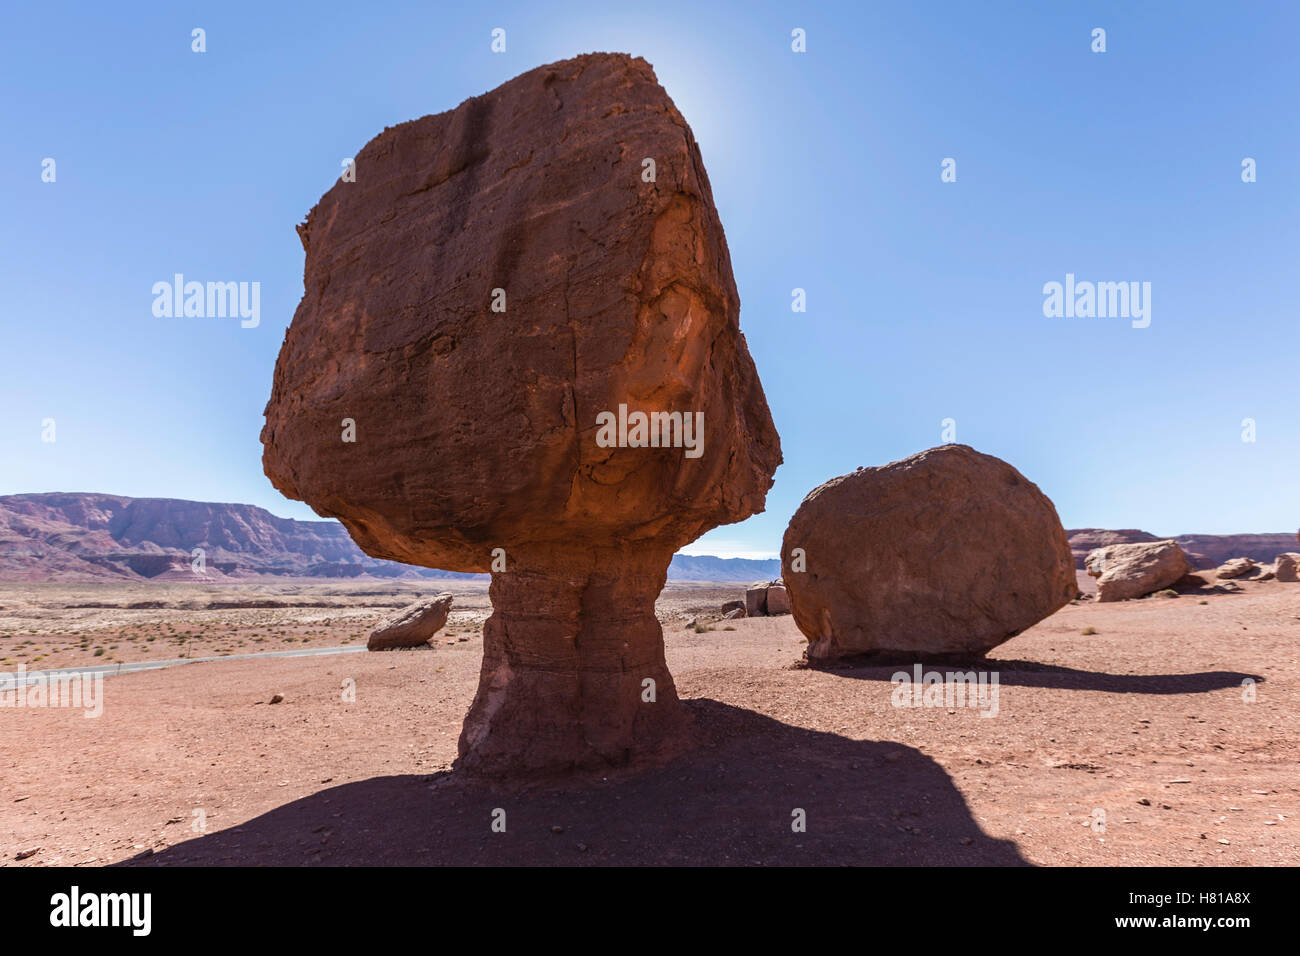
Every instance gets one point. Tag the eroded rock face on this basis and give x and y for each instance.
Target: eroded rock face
(483, 438)
(948, 552)
(1287, 567)
(1125, 571)
(412, 626)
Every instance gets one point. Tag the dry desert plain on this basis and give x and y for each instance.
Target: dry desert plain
(1123, 735)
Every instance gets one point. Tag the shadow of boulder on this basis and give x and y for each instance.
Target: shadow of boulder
(1035, 674)
(731, 800)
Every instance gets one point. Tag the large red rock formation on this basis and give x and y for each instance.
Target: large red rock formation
(478, 429)
(948, 552)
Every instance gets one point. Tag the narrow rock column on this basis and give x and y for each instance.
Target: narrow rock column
(573, 669)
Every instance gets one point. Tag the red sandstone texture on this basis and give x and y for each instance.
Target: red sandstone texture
(476, 430)
(949, 551)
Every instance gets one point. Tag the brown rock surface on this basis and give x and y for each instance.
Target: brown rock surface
(949, 551)
(477, 429)
(412, 626)
(1234, 568)
(778, 600)
(765, 598)
(1125, 571)
(1287, 567)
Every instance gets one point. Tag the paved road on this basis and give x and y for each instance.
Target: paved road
(127, 668)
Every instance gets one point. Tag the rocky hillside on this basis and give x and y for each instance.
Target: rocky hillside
(1205, 550)
(77, 536)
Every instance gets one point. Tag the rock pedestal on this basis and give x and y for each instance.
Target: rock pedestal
(573, 662)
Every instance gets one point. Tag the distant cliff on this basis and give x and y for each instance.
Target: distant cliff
(81, 536)
(1205, 550)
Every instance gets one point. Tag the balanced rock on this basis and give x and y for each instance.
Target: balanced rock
(1125, 571)
(948, 552)
(529, 339)
(1235, 568)
(412, 626)
(1287, 566)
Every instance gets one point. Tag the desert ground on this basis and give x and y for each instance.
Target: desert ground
(1155, 731)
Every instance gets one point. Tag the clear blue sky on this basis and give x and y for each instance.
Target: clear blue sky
(924, 298)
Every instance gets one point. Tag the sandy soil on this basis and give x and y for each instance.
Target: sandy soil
(1136, 744)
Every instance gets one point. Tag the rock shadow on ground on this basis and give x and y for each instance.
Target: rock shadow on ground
(729, 801)
(1035, 674)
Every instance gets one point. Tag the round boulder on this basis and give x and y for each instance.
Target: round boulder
(947, 553)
